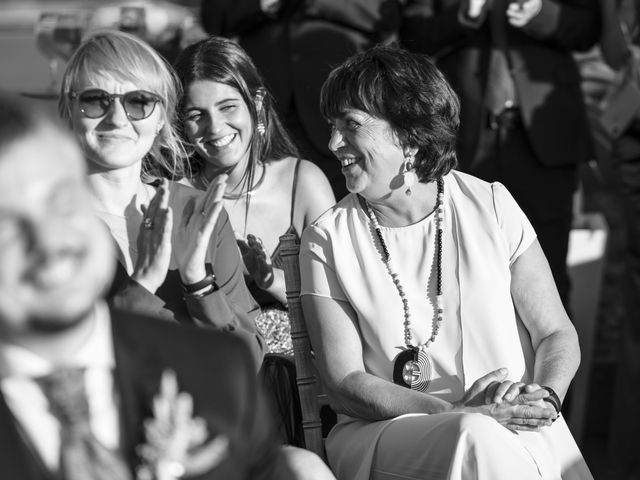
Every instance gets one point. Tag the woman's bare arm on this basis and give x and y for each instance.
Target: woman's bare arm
(554, 338)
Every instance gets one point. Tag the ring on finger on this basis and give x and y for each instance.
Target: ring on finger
(147, 223)
(203, 212)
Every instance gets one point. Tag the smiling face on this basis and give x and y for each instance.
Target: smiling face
(56, 258)
(217, 121)
(369, 152)
(113, 141)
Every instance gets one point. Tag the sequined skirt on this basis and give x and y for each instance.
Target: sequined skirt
(273, 322)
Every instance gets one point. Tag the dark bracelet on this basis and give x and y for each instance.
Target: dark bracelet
(553, 399)
(207, 291)
(210, 279)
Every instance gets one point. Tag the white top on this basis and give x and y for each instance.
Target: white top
(341, 260)
(19, 367)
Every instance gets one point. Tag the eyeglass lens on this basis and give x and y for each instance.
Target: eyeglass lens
(137, 104)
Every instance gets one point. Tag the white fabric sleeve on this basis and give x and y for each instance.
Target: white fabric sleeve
(317, 266)
(516, 229)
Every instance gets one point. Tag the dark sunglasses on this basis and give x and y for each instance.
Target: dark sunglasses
(95, 103)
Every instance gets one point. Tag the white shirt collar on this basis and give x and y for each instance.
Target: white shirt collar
(97, 351)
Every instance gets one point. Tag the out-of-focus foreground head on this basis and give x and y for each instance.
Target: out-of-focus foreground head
(56, 257)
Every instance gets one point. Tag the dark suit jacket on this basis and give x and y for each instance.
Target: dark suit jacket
(296, 50)
(546, 76)
(216, 368)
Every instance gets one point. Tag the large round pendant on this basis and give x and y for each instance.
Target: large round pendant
(413, 369)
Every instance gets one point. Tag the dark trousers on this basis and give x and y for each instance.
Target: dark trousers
(544, 193)
(628, 186)
(625, 421)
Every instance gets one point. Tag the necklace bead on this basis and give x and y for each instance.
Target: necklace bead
(439, 307)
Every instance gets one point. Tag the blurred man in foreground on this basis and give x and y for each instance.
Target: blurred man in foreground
(89, 393)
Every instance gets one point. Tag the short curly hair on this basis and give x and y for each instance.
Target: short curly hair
(408, 91)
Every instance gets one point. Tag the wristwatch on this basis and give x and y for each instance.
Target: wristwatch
(553, 399)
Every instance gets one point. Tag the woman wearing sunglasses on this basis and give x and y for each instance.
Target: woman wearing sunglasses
(177, 254)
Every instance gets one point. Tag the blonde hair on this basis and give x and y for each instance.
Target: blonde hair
(127, 58)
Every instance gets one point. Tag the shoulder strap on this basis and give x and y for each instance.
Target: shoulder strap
(293, 189)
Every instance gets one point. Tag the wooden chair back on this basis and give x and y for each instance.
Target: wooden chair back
(309, 387)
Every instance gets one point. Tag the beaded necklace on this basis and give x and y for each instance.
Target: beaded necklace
(413, 366)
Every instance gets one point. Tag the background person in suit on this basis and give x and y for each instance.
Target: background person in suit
(523, 121)
(56, 262)
(611, 83)
(295, 44)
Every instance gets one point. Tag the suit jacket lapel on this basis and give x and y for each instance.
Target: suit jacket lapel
(137, 381)
(19, 460)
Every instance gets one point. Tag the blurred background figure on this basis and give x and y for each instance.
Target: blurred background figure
(59, 28)
(167, 26)
(295, 44)
(612, 93)
(58, 34)
(523, 121)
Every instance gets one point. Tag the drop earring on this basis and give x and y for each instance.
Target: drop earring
(259, 99)
(409, 177)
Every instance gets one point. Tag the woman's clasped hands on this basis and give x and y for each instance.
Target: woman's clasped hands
(515, 405)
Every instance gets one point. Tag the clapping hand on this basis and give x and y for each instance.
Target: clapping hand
(256, 261)
(525, 411)
(198, 220)
(154, 241)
